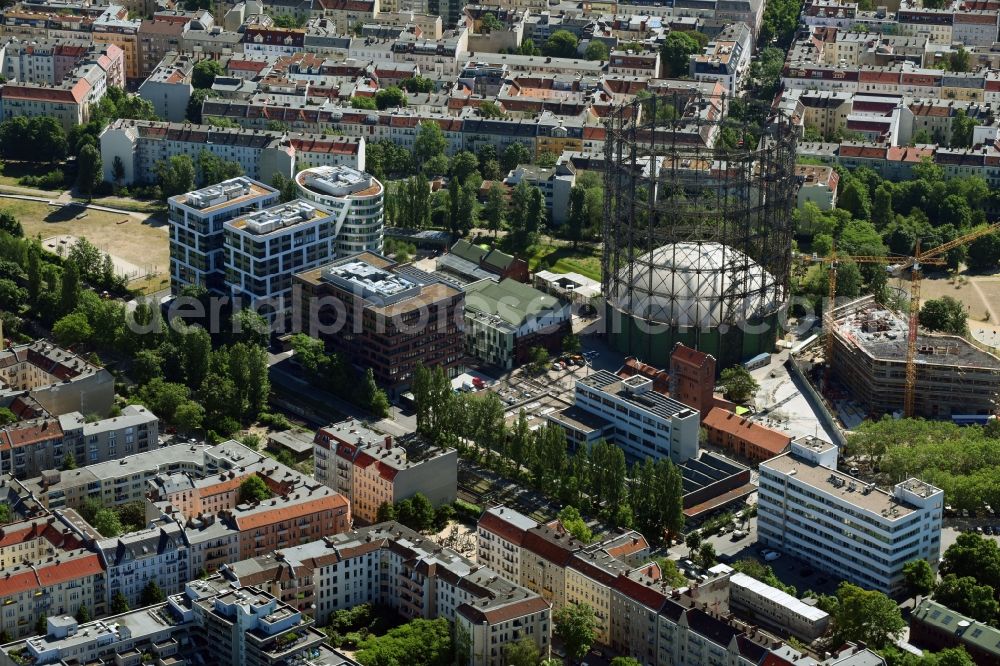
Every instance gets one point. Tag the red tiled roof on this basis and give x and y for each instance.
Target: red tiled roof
(647, 595)
(25, 434)
(290, 511)
(75, 568)
(505, 530)
(770, 440)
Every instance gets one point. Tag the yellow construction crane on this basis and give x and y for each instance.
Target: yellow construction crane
(900, 265)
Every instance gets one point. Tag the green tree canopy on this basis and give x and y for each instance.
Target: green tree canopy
(561, 44)
(596, 50)
(576, 626)
(676, 51)
(253, 489)
(945, 314)
(204, 72)
(738, 384)
(417, 643)
(867, 616)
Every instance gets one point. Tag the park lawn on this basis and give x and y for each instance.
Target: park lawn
(11, 172)
(585, 260)
(145, 244)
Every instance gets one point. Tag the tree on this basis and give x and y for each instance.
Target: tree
(984, 253)
(430, 142)
(82, 614)
(538, 358)
(73, 329)
(107, 523)
(576, 626)
(966, 596)
(737, 384)
(42, 625)
(495, 208)
(867, 616)
(390, 98)
(69, 461)
(561, 44)
(490, 110)
(253, 490)
(962, 128)
(528, 48)
(855, 199)
(151, 594)
(119, 604)
(490, 22)
(946, 314)
(363, 102)
(571, 344)
(577, 218)
(176, 175)
(919, 577)
(204, 72)
(522, 653)
(89, 171)
(422, 512)
(464, 165)
(214, 169)
(596, 50)
(625, 661)
(418, 84)
(973, 555)
(706, 554)
(515, 153)
(419, 642)
(693, 542)
(386, 512)
(676, 52)
(571, 521)
(921, 137)
(192, 112)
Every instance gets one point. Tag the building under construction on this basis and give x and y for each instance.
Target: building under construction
(698, 226)
(954, 377)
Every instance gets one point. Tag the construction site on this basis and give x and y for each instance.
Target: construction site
(953, 378)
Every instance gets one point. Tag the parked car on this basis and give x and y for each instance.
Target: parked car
(771, 556)
(739, 534)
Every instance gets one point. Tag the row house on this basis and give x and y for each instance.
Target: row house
(392, 565)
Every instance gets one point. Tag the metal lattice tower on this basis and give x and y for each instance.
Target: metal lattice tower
(699, 193)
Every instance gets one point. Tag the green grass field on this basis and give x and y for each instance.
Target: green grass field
(585, 260)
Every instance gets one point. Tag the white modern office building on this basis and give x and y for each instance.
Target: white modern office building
(355, 200)
(842, 525)
(266, 248)
(196, 229)
(645, 423)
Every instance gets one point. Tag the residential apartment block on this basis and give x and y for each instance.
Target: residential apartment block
(391, 565)
(132, 561)
(370, 470)
(842, 525)
(384, 316)
(356, 200)
(197, 237)
(637, 614)
(300, 509)
(135, 430)
(47, 571)
(209, 621)
(265, 248)
(59, 380)
(937, 627)
(140, 144)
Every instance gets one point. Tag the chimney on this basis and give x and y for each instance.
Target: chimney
(388, 442)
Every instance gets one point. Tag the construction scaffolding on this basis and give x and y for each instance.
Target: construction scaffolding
(953, 376)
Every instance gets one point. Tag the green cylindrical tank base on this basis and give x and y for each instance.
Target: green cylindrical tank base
(652, 342)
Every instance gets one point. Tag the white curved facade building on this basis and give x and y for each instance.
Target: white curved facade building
(356, 200)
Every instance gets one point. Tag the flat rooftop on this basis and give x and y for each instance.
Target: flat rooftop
(338, 181)
(882, 334)
(842, 486)
(651, 401)
(279, 218)
(233, 192)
